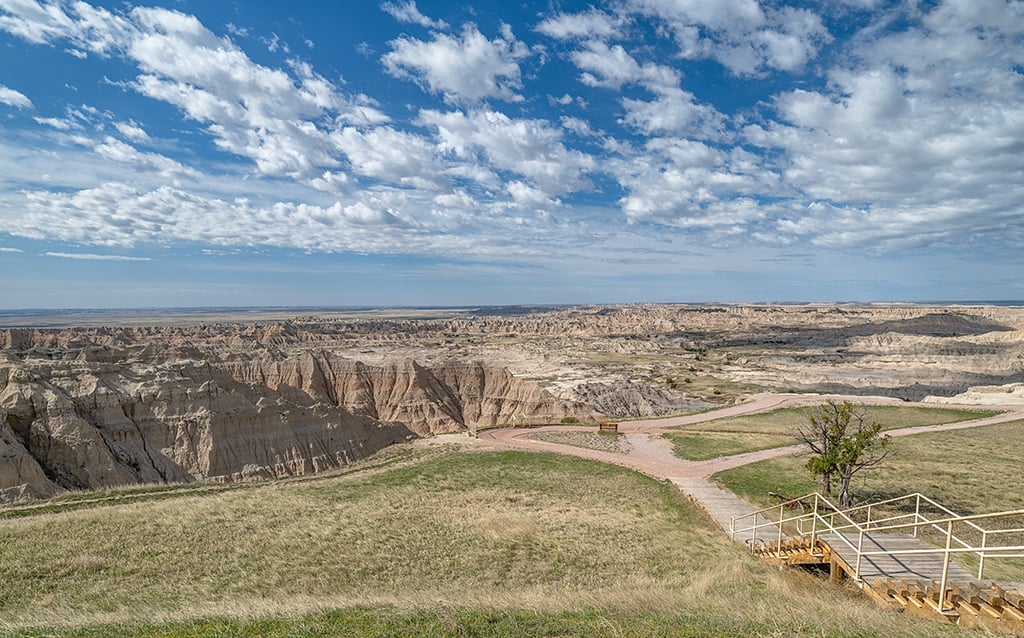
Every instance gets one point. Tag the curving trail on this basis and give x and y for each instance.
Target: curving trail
(652, 455)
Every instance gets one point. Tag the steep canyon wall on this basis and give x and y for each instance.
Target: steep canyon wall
(99, 416)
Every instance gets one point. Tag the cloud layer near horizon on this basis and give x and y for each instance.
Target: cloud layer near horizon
(907, 132)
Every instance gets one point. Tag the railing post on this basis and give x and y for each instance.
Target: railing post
(732, 528)
(945, 565)
(917, 513)
(981, 558)
(868, 524)
(860, 548)
(814, 522)
(782, 515)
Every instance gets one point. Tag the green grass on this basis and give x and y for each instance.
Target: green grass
(753, 432)
(784, 475)
(972, 471)
(709, 445)
(785, 421)
(448, 543)
(386, 622)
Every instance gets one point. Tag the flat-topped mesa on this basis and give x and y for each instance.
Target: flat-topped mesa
(99, 418)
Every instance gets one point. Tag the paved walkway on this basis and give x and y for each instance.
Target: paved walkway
(721, 505)
(652, 454)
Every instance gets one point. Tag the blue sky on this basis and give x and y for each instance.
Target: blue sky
(184, 153)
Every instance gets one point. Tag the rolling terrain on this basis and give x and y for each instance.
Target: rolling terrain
(207, 398)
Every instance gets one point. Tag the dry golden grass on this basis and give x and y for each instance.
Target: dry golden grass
(568, 540)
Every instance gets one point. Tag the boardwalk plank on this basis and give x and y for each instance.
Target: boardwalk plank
(925, 566)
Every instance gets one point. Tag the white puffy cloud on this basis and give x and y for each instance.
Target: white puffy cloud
(529, 148)
(57, 123)
(385, 221)
(861, 4)
(280, 119)
(674, 112)
(611, 67)
(10, 97)
(578, 126)
(407, 12)
(392, 156)
(118, 214)
(739, 34)
(525, 195)
(592, 24)
(132, 131)
(916, 141)
(114, 149)
(690, 184)
(466, 68)
(86, 27)
(253, 111)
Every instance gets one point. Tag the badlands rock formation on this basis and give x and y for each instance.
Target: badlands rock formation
(199, 397)
(94, 416)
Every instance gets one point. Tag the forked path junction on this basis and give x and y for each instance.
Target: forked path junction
(894, 569)
(651, 454)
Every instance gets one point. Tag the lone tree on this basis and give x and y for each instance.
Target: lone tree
(843, 443)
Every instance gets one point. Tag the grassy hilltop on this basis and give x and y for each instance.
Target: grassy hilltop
(422, 542)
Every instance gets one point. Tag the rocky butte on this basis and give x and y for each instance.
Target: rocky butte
(114, 405)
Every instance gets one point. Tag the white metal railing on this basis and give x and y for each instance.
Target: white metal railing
(826, 517)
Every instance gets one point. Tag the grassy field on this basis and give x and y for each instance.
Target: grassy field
(971, 471)
(749, 433)
(702, 446)
(784, 421)
(442, 543)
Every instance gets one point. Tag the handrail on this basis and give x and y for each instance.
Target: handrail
(947, 510)
(955, 519)
(824, 513)
(905, 497)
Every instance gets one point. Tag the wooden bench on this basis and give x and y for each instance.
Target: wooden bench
(608, 427)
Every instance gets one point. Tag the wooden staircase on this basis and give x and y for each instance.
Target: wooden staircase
(971, 603)
(890, 561)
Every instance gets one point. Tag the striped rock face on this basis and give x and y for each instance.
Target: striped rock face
(95, 417)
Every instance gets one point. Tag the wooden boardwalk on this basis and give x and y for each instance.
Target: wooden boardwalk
(722, 505)
(926, 566)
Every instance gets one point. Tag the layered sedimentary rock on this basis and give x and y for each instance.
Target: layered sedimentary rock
(193, 397)
(99, 417)
(636, 400)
